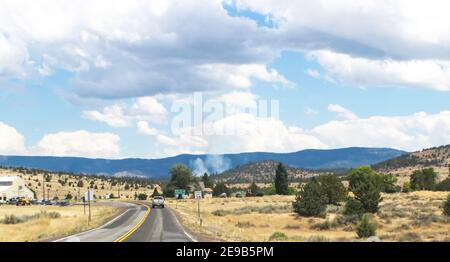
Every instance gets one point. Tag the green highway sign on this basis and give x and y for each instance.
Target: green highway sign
(180, 193)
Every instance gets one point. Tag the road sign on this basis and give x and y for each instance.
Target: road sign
(89, 195)
(198, 195)
(180, 193)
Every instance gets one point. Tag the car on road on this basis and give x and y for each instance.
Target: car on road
(12, 201)
(158, 201)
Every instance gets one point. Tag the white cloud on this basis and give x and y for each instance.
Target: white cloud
(433, 74)
(310, 111)
(13, 57)
(79, 143)
(145, 129)
(240, 76)
(313, 73)
(241, 132)
(342, 112)
(122, 115)
(413, 132)
(11, 141)
(369, 43)
(156, 52)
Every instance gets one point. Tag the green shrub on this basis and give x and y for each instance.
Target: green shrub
(245, 224)
(353, 207)
(292, 226)
(53, 215)
(424, 179)
(406, 187)
(366, 185)
(221, 213)
(278, 236)
(333, 188)
(143, 196)
(366, 228)
(443, 185)
(446, 207)
(11, 220)
(327, 225)
(311, 200)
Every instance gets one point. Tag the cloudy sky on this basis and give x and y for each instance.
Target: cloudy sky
(100, 78)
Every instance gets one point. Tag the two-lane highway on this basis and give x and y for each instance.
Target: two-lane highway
(161, 226)
(139, 223)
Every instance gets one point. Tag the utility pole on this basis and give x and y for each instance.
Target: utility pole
(89, 203)
(43, 187)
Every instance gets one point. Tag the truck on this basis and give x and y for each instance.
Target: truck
(158, 201)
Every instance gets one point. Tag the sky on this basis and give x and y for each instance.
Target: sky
(151, 79)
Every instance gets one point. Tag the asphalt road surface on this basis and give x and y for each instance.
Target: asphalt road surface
(160, 226)
(139, 223)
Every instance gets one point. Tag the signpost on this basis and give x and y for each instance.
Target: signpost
(179, 194)
(89, 195)
(198, 196)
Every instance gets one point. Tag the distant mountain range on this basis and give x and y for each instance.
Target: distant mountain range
(159, 168)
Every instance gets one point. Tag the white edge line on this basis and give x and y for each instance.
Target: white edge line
(97, 228)
(182, 227)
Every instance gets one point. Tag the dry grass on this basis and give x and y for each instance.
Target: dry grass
(402, 217)
(72, 220)
(102, 186)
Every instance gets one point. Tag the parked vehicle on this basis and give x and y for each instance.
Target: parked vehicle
(22, 201)
(12, 201)
(62, 203)
(46, 203)
(158, 201)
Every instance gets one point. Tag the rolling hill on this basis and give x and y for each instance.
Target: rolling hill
(402, 166)
(159, 168)
(262, 172)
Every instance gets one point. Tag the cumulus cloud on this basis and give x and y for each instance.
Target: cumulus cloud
(163, 49)
(370, 43)
(342, 112)
(143, 109)
(145, 129)
(79, 143)
(411, 133)
(433, 74)
(11, 141)
(166, 49)
(241, 132)
(247, 133)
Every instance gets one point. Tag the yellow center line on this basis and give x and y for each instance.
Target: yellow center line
(136, 227)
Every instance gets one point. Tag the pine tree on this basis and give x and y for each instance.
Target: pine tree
(366, 185)
(311, 200)
(368, 193)
(207, 180)
(333, 189)
(253, 189)
(281, 180)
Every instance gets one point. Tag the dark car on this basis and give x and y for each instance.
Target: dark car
(62, 203)
(12, 201)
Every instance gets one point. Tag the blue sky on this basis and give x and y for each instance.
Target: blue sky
(100, 84)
